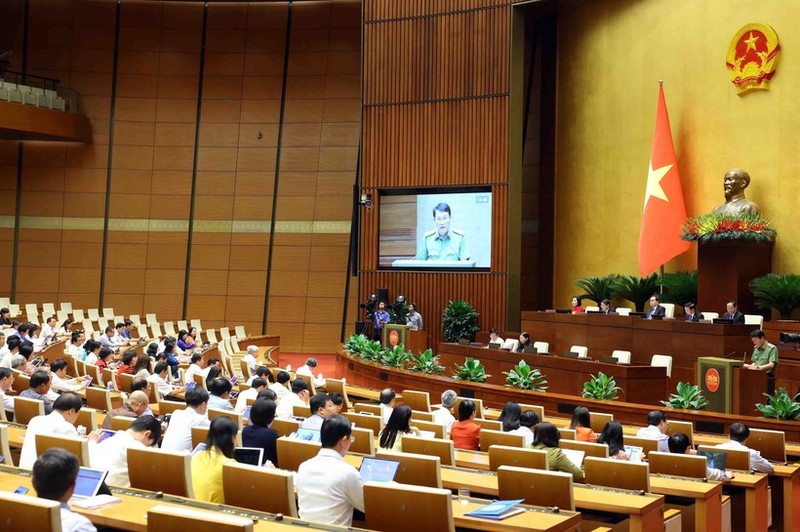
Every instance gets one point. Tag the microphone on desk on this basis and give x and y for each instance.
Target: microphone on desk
(729, 355)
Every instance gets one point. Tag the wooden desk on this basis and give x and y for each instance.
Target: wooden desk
(707, 498)
(640, 383)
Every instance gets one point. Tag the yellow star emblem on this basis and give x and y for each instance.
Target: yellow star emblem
(654, 178)
(751, 42)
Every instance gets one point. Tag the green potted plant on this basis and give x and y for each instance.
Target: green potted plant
(637, 290)
(363, 347)
(597, 288)
(681, 287)
(396, 357)
(524, 377)
(426, 362)
(780, 406)
(471, 371)
(600, 387)
(689, 397)
(781, 292)
(459, 320)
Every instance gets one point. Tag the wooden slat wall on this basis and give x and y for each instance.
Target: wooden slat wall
(435, 112)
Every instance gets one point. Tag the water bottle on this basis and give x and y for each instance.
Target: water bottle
(110, 385)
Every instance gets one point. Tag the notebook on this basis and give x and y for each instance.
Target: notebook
(498, 510)
(575, 456)
(88, 483)
(634, 453)
(378, 469)
(249, 455)
(308, 435)
(714, 459)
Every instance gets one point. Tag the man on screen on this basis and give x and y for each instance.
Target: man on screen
(443, 243)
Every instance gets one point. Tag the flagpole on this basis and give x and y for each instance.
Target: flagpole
(661, 284)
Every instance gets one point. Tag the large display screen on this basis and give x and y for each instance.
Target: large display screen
(435, 229)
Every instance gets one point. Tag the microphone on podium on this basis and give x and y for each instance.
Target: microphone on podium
(729, 355)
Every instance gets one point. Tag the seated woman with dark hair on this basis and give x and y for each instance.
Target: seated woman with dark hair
(509, 416)
(185, 341)
(527, 423)
(612, 436)
(576, 307)
(547, 438)
(259, 432)
(207, 464)
(213, 373)
(465, 433)
(582, 424)
(396, 427)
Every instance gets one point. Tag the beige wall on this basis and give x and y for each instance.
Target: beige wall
(611, 56)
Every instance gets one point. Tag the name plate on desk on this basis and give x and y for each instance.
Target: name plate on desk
(414, 263)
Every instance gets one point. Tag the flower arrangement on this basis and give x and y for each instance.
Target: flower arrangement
(716, 227)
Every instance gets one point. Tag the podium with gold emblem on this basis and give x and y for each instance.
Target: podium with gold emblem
(715, 376)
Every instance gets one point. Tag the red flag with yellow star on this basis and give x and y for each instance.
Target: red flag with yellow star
(664, 211)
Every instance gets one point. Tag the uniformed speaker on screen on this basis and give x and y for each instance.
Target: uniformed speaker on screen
(443, 242)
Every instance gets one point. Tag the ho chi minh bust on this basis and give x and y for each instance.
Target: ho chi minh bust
(734, 183)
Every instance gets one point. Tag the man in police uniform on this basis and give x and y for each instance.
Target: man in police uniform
(764, 358)
(443, 243)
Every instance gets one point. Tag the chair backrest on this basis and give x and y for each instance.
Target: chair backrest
(240, 332)
(599, 420)
(478, 406)
(87, 417)
(366, 421)
(48, 309)
(197, 325)
(303, 411)
(183, 325)
(168, 407)
(122, 422)
(501, 455)
(21, 512)
(681, 465)
(284, 427)
(108, 313)
(94, 372)
(142, 331)
(72, 365)
(78, 315)
(511, 344)
(292, 453)
(62, 316)
(98, 398)
(582, 350)
(648, 445)
(109, 375)
(230, 414)
(489, 424)
(770, 443)
(537, 486)
(598, 450)
(21, 381)
(26, 409)
(617, 474)
(623, 357)
(416, 469)
(437, 429)
(245, 369)
(417, 400)
(169, 328)
(754, 319)
(66, 305)
(592, 308)
(542, 347)
(155, 329)
(310, 382)
(32, 311)
(339, 386)
(77, 446)
(421, 416)
(737, 460)
(157, 470)
(363, 441)
(211, 336)
(367, 408)
(173, 517)
(80, 368)
(498, 437)
(225, 333)
(685, 427)
(623, 311)
(662, 361)
(430, 446)
(126, 382)
(566, 434)
(151, 319)
(199, 435)
(669, 310)
(400, 507)
(5, 448)
(246, 485)
(710, 315)
(94, 314)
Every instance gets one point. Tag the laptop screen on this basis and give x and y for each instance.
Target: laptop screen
(88, 482)
(308, 435)
(378, 469)
(249, 455)
(714, 459)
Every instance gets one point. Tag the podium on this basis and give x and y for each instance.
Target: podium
(414, 341)
(716, 379)
(749, 388)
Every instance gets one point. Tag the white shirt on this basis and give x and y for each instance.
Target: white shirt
(313, 422)
(162, 387)
(179, 433)
(5, 362)
(52, 423)
(72, 522)
(111, 454)
(218, 403)
(328, 488)
(75, 350)
(241, 399)
(757, 462)
(251, 362)
(443, 417)
(652, 432)
(386, 412)
(191, 371)
(91, 358)
(47, 332)
(286, 406)
(60, 385)
(306, 372)
(280, 390)
(8, 401)
(526, 432)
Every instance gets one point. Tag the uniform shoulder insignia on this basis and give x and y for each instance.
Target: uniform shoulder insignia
(459, 232)
(429, 233)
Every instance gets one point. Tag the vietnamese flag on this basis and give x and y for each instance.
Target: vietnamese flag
(664, 211)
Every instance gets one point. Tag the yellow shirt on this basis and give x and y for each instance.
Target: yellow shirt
(207, 475)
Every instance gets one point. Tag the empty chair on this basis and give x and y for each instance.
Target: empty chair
(623, 311)
(48, 309)
(94, 314)
(542, 347)
(225, 333)
(32, 311)
(240, 332)
(393, 507)
(155, 328)
(118, 319)
(169, 328)
(754, 319)
(340, 386)
(108, 313)
(582, 350)
(623, 357)
(617, 474)
(592, 309)
(151, 319)
(363, 441)
(669, 310)
(498, 437)
(88, 418)
(13, 309)
(662, 361)
(62, 316)
(537, 486)
(245, 486)
(77, 315)
(142, 331)
(710, 315)
(211, 336)
(5, 301)
(136, 319)
(156, 470)
(21, 512)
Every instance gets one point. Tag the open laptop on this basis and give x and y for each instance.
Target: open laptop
(378, 469)
(495, 345)
(563, 310)
(249, 455)
(634, 453)
(721, 320)
(610, 360)
(571, 354)
(575, 456)
(715, 460)
(308, 435)
(88, 483)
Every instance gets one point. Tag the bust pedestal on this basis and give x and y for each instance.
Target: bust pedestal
(724, 270)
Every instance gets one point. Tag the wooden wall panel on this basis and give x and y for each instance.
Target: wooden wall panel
(378, 10)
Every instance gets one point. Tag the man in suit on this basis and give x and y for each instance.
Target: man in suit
(655, 310)
(691, 312)
(605, 307)
(733, 313)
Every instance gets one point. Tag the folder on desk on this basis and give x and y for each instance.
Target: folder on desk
(498, 510)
